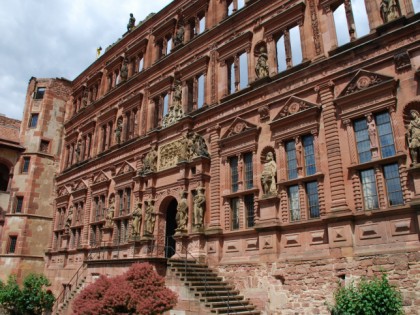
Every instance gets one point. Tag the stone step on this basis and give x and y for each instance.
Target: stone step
(205, 282)
(221, 294)
(216, 288)
(224, 304)
(233, 309)
(211, 299)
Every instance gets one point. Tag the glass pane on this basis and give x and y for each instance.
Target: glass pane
(370, 195)
(241, 4)
(169, 46)
(362, 140)
(234, 204)
(248, 171)
(393, 184)
(141, 64)
(249, 206)
(341, 28)
(231, 75)
(294, 203)
(313, 200)
(281, 55)
(295, 45)
(233, 161)
(360, 17)
(291, 160)
(243, 70)
(386, 138)
(230, 8)
(165, 104)
(309, 154)
(200, 92)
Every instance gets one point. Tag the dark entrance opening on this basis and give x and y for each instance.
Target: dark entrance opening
(170, 228)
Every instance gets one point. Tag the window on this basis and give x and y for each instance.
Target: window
(292, 164)
(200, 91)
(309, 154)
(294, 205)
(39, 94)
(289, 49)
(313, 200)
(12, 244)
(249, 210)
(234, 176)
(370, 196)
(33, 121)
(237, 73)
(121, 233)
(234, 206)
(95, 235)
(25, 164)
(4, 177)
(393, 184)
(44, 146)
(234, 5)
(19, 204)
(249, 173)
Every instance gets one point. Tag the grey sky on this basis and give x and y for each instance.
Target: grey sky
(57, 38)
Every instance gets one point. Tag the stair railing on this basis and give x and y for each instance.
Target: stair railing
(151, 250)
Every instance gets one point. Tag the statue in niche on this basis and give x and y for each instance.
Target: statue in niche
(131, 23)
(124, 70)
(196, 146)
(199, 203)
(175, 112)
(177, 93)
(182, 212)
(137, 217)
(150, 161)
(414, 135)
(183, 149)
(372, 132)
(110, 213)
(150, 218)
(179, 36)
(77, 150)
(118, 130)
(389, 10)
(69, 219)
(85, 98)
(261, 67)
(268, 176)
(298, 148)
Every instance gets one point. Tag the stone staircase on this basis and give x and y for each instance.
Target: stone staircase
(63, 308)
(216, 294)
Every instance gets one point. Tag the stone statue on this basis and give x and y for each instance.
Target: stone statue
(389, 10)
(69, 219)
(85, 98)
(414, 135)
(177, 93)
(372, 132)
(175, 112)
(124, 70)
(196, 146)
(199, 202)
(298, 148)
(179, 36)
(261, 68)
(131, 23)
(183, 149)
(118, 131)
(77, 150)
(137, 217)
(98, 52)
(182, 212)
(150, 218)
(110, 213)
(268, 176)
(150, 161)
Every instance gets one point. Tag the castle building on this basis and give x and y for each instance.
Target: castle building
(275, 141)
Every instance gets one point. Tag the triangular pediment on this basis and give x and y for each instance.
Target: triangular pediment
(62, 191)
(238, 127)
(125, 168)
(293, 106)
(100, 178)
(364, 80)
(79, 185)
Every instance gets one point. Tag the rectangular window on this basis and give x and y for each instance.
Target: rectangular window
(249, 208)
(362, 140)
(309, 154)
(386, 138)
(313, 200)
(200, 91)
(202, 24)
(243, 71)
(234, 176)
(249, 174)
(12, 244)
(393, 184)
(231, 77)
(39, 94)
(121, 201)
(25, 165)
(294, 203)
(370, 195)
(165, 104)
(128, 200)
(33, 121)
(291, 160)
(234, 207)
(93, 236)
(44, 146)
(19, 204)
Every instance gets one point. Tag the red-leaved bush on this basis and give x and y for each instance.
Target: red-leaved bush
(138, 291)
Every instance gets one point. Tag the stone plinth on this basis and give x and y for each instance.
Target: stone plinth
(414, 172)
(268, 214)
(107, 235)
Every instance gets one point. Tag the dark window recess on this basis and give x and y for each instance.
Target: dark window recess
(12, 244)
(25, 166)
(33, 121)
(44, 146)
(39, 94)
(19, 204)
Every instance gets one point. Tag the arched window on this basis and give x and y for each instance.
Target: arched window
(4, 177)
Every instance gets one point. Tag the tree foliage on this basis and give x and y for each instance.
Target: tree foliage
(374, 297)
(32, 299)
(138, 291)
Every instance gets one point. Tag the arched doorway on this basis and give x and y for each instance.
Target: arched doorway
(170, 228)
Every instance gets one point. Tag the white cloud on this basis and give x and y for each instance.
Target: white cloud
(57, 38)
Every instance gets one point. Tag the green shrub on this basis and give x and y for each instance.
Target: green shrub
(374, 297)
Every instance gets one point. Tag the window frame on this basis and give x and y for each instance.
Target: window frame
(12, 244)
(33, 120)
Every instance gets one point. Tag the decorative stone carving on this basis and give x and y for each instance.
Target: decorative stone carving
(110, 213)
(150, 218)
(131, 23)
(268, 176)
(124, 70)
(136, 215)
(118, 130)
(79, 186)
(264, 113)
(199, 207)
(197, 145)
(402, 61)
(77, 150)
(175, 112)
(261, 66)
(85, 97)
(150, 161)
(182, 212)
(413, 135)
(389, 10)
(179, 36)
(69, 219)
(363, 83)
